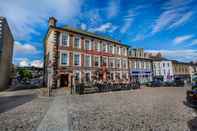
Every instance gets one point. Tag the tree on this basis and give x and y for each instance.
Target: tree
(25, 74)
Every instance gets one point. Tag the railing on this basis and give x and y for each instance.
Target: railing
(104, 87)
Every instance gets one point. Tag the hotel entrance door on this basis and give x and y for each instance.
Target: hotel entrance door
(64, 81)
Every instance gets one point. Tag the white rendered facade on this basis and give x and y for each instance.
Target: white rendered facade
(164, 69)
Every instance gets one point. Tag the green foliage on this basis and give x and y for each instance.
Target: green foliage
(25, 74)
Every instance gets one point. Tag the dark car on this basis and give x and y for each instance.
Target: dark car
(168, 83)
(192, 98)
(156, 83)
(179, 82)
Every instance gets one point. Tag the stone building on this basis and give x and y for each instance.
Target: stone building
(140, 65)
(83, 56)
(181, 70)
(192, 69)
(6, 52)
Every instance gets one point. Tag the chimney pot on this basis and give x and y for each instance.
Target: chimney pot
(52, 21)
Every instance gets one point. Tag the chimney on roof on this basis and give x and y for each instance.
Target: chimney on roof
(52, 22)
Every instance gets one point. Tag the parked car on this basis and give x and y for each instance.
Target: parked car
(194, 82)
(192, 94)
(156, 83)
(168, 83)
(179, 82)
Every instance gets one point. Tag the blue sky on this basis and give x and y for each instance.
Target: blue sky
(168, 26)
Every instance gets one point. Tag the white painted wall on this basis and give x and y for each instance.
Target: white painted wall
(163, 68)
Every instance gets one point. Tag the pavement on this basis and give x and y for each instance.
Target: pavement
(152, 109)
(56, 118)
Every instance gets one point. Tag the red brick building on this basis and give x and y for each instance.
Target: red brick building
(83, 56)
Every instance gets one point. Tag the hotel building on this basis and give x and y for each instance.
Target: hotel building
(83, 56)
(6, 52)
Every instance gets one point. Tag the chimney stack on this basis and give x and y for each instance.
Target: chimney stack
(52, 21)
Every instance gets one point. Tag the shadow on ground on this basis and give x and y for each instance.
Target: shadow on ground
(10, 102)
(23, 87)
(192, 124)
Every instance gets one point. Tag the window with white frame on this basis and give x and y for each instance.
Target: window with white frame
(111, 63)
(104, 61)
(118, 50)
(124, 51)
(114, 49)
(76, 59)
(118, 75)
(124, 62)
(110, 48)
(97, 61)
(104, 47)
(65, 38)
(87, 45)
(118, 63)
(64, 58)
(87, 60)
(97, 46)
(77, 42)
(124, 75)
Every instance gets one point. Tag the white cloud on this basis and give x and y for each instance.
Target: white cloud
(24, 16)
(164, 20)
(37, 63)
(194, 42)
(182, 55)
(175, 14)
(83, 26)
(102, 28)
(113, 8)
(182, 20)
(181, 39)
(128, 19)
(20, 48)
(139, 37)
(23, 63)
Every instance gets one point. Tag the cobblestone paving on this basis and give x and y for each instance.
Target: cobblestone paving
(21, 110)
(149, 109)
